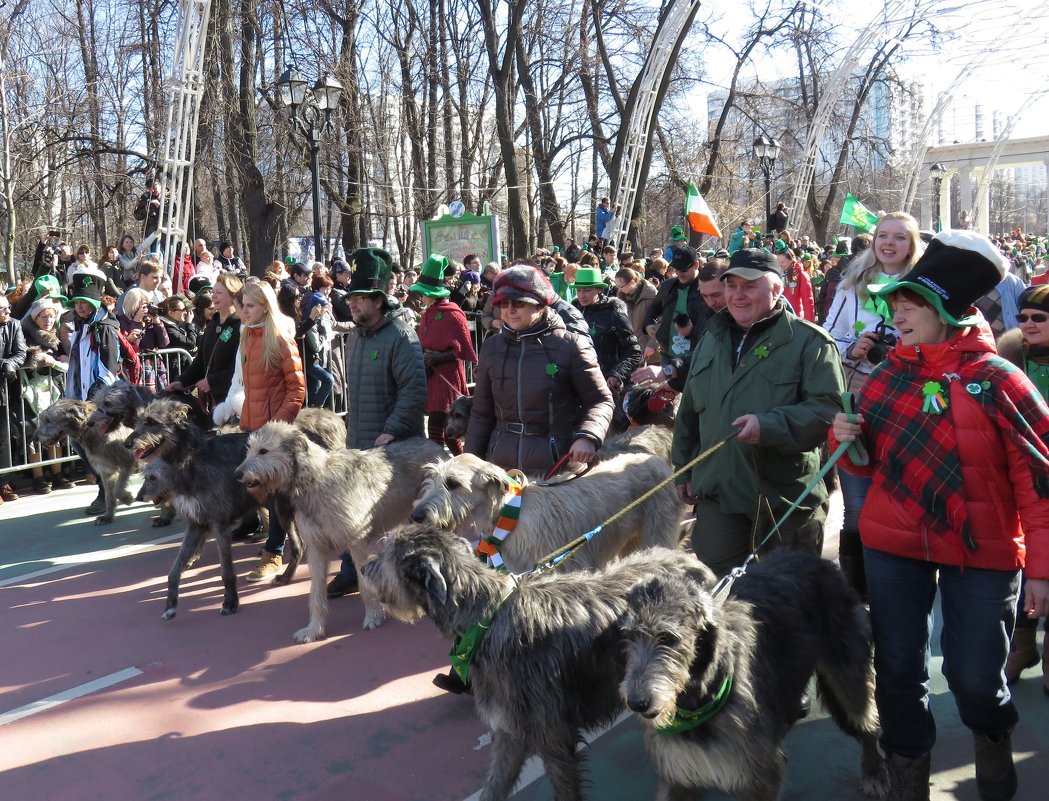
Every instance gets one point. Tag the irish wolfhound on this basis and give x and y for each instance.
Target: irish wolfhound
(550, 662)
(342, 501)
(105, 451)
(459, 417)
(747, 660)
(467, 494)
(200, 468)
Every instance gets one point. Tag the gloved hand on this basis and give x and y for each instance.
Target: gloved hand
(10, 371)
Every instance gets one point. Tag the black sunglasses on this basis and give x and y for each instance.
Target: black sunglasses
(1034, 318)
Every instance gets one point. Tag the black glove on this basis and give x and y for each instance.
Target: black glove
(10, 371)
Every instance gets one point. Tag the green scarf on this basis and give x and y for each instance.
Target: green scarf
(879, 305)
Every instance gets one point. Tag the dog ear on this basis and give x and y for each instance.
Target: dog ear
(433, 580)
(490, 474)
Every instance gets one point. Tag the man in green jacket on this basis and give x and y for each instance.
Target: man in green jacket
(778, 380)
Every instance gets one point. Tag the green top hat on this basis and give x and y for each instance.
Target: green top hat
(431, 278)
(677, 234)
(589, 278)
(86, 288)
(371, 272)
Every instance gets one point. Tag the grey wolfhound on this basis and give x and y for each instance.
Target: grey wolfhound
(105, 451)
(550, 662)
(466, 494)
(342, 501)
(199, 473)
(717, 682)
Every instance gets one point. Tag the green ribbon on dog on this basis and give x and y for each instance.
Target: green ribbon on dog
(465, 646)
(687, 719)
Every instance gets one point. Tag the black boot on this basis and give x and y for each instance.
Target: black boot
(98, 506)
(908, 777)
(995, 772)
(850, 557)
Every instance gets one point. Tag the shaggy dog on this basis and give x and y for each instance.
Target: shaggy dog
(342, 501)
(199, 471)
(459, 417)
(105, 451)
(550, 661)
(789, 616)
(466, 494)
(120, 404)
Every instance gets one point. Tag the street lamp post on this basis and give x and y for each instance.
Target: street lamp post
(936, 171)
(311, 113)
(766, 150)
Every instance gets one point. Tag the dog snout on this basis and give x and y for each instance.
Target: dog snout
(643, 706)
(418, 516)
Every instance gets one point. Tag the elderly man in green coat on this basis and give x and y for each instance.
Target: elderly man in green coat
(778, 380)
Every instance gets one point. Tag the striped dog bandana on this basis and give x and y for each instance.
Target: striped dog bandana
(488, 549)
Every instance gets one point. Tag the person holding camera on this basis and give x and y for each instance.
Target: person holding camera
(775, 380)
(678, 316)
(861, 325)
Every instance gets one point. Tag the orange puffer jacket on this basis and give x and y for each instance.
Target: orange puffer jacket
(269, 394)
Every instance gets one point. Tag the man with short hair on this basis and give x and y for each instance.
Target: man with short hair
(775, 381)
(150, 281)
(711, 289)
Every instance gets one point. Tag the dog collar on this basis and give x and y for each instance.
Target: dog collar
(465, 646)
(488, 548)
(688, 719)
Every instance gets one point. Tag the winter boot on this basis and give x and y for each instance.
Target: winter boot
(995, 773)
(1023, 653)
(908, 778)
(269, 566)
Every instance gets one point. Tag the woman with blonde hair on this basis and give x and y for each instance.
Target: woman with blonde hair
(274, 388)
(861, 325)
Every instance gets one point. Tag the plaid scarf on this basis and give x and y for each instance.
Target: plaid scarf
(920, 465)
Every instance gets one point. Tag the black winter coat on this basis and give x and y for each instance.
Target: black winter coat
(618, 351)
(222, 340)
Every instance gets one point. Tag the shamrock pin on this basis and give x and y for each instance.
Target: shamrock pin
(761, 351)
(935, 402)
(551, 369)
(88, 281)
(226, 334)
(375, 355)
(439, 316)
(858, 326)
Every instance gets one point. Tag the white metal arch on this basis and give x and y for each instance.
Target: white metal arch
(883, 21)
(679, 16)
(185, 91)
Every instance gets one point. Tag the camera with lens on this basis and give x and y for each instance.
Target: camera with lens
(882, 342)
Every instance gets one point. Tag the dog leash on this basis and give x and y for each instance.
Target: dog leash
(725, 584)
(562, 553)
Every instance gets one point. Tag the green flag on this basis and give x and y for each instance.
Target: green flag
(856, 214)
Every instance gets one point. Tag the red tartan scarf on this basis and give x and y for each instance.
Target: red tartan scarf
(920, 466)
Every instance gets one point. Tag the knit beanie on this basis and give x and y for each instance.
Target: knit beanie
(523, 283)
(1035, 297)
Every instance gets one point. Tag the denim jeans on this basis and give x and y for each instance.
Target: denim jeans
(277, 534)
(319, 382)
(979, 611)
(854, 491)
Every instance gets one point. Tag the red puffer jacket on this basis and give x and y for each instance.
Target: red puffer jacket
(1008, 521)
(269, 394)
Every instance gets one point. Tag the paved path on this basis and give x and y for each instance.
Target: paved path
(101, 699)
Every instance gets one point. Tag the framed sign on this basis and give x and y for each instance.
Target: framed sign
(456, 237)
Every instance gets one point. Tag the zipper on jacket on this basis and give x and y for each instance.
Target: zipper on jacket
(520, 408)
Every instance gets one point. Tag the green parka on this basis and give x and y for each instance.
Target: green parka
(790, 376)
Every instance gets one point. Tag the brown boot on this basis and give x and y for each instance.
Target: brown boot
(1023, 653)
(995, 772)
(908, 778)
(8, 494)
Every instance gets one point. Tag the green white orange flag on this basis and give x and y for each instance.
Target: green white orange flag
(856, 214)
(697, 212)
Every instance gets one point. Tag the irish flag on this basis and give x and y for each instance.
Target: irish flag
(697, 212)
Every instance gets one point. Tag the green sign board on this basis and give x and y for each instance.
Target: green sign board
(456, 237)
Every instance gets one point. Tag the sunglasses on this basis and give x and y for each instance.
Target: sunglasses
(517, 304)
(1034, 318)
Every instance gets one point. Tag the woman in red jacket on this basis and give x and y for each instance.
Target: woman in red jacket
(959, 503)
(274, 388)
(445, 339)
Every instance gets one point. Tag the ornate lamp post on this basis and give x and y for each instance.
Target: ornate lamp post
(766, 150)
(936, 172)
(311, 113)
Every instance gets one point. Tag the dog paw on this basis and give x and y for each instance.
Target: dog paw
(374, 621)
(229, 610)
(102, 520)
(281, 579)
(309, 634)
(168, 613)
(160, 522)
(126, 498)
